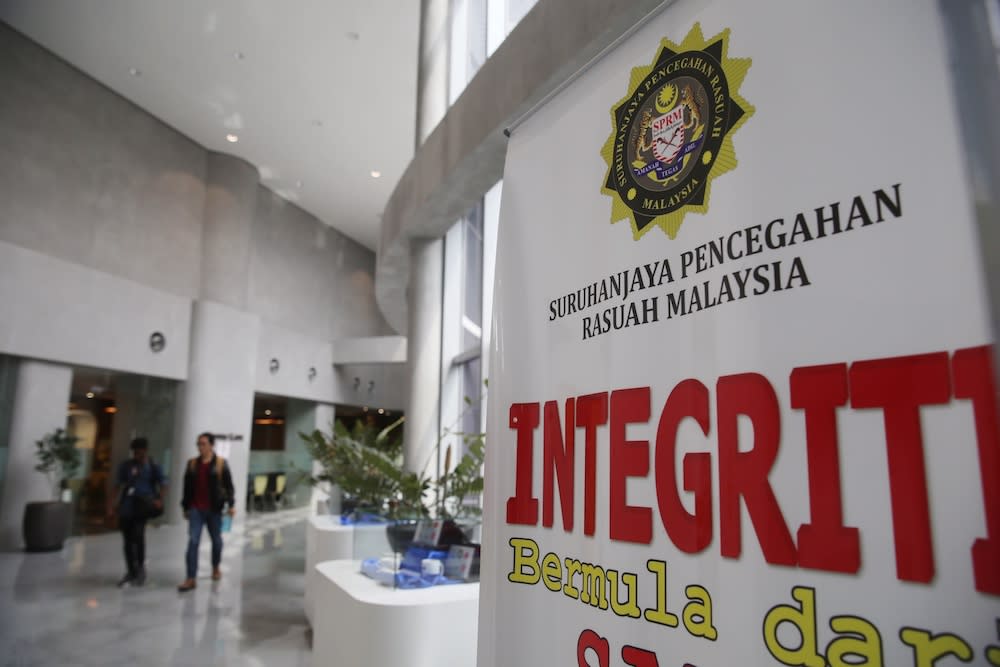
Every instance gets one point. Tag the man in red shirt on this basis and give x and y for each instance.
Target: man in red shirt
(208, 489)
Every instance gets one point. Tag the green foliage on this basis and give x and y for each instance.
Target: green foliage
(58, 458)
(464, 480)
(367, 465)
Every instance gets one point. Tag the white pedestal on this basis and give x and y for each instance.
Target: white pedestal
(360, 623)
(328, 539)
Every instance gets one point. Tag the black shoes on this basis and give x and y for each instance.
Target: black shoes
(137, 579)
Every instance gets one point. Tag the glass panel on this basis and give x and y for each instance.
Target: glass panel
(467, 51)
(472, 390)
(472, 307)
(516, 9)
(106, 412)
(503, 17)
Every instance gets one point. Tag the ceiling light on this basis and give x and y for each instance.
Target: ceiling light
(90, 394)
(239, 55)
(267, 412)
(353, 36)
(232, 138)
(298, 184)
(364, 409)
(381, 411)
(134, 71)
(376, 173)
(111, 409)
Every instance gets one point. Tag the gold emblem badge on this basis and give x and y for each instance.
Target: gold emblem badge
(672, 132)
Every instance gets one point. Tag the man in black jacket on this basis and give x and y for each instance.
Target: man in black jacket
(140, 487)
(208, 490)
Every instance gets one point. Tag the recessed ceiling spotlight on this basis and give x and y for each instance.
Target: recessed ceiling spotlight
(353, 36)
(90, 394)
(267, 412)
(239, 55)
(134, 71)
(381, 411)
(376, 173)
(232, 138)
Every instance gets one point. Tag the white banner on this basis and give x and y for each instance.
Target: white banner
(742, 410)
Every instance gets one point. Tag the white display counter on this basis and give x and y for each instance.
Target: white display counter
(360, 623)
(328, 539)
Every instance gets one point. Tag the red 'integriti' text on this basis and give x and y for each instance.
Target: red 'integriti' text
(899, 387)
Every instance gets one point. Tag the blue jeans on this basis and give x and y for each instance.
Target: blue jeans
(212, 521)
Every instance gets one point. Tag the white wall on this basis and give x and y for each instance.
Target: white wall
(60, 311)
(306, 277)
(390, 389)
(296, 354)
(89, 177)
(370, 350)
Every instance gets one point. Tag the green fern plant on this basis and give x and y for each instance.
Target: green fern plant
(366, 463)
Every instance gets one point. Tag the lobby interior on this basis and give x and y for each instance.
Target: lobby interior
(242, 219)
(256, 220)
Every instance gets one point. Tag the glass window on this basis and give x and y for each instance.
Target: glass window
(472, 279)
(467, 51)
(502, 17)
(462, 332)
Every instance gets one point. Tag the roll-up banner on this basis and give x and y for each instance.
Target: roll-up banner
(742, 408)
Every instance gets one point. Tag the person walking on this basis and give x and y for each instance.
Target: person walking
(208, 490)
(140, 488)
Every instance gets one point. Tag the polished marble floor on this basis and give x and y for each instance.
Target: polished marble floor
(65, 609)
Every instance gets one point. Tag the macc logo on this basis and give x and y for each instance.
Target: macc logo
(672, 132)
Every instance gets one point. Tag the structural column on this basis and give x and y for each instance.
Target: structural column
(230, 207)
(423, 352)
(40, 401)
(323, 420)
(219, 392)
(432, 75)
(218, 395)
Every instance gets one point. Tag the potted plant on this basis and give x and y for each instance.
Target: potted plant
(367, 465)
(46, 524)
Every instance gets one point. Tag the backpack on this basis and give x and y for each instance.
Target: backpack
(220, 464)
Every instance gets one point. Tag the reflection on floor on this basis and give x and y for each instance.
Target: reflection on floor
(64, 608)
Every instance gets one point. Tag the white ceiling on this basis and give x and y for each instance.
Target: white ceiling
(325, 91)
